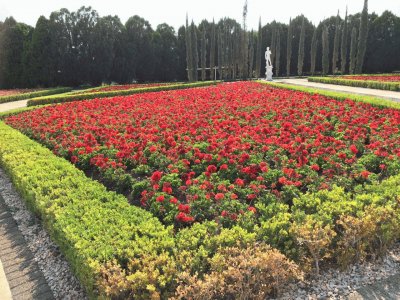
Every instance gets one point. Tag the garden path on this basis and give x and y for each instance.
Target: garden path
(390, 95)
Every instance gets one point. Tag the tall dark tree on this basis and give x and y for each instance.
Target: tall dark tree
(165, 50)
(107, 31)
(259, 50)
(12, 44)
(41, 70)
(140, 37)
(353, 51)
(181, 67)
(245, 44)
(300, 60)
(325, 51)
(314, 49)
(189, 51)
(289, 48)
(195, 53)
(212, 51)
(335, 55)
(251, 55)
(278, 53)
(362, 39)
(203, 54)
(343, 52)
(220, 53)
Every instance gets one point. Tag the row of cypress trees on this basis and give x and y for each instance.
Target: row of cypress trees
(335, 58)
(73, 48)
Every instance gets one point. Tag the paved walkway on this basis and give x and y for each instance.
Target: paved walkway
(12, 105)
(20, 276)
(390, 95)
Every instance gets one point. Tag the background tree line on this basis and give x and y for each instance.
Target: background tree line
(74, 48)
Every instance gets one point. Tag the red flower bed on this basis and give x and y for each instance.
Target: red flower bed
(384, 78)
(125, 87)
(14, 92)
(216, 152)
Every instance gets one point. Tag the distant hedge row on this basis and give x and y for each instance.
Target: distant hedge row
(391, 86)
(24, 96)
(87, 96)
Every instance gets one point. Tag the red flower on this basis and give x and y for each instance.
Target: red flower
(184, 208)
(219, 196)
(160, 198)
(353, 149)
(211, 169)
(239, 182)
(184, 218)
(156, 176)
(315, 167)
(252, 209)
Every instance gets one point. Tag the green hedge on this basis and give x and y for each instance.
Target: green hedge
(391, 86)
(87, 96)
(91, 225)
(379, 102)
(34, 94)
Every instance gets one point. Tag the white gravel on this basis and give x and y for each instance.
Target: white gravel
(335, 284)
(52, 263)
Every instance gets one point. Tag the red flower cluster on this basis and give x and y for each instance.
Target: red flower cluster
(382, 78)
(15, 92)
(216, 152)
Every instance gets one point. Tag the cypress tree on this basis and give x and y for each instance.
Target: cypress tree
(335, 56)
(245, 44)
(189, 54)
(203, 54)
(273, 45)
(212, 51)
(195, 55)
(251, 55)
(278, 53)
(362, 39)
(325, 51)
(259, 50)
(289, 48)
(220, 54)
(314, 45)
(353, 51)
(343, 53)
(300, 61)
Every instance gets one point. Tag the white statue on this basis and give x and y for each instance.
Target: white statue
(269, 66)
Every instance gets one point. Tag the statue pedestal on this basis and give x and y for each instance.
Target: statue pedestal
(269, 73)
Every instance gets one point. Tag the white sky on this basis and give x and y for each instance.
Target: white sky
(173, 12)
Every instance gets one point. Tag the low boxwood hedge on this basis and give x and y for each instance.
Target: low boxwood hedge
(34, 94)
(391, 86)
(91, 225)
(87, 96)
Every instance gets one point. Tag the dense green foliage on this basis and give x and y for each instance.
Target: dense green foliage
(73, 48)
(31, 95)
(362, 39)
(300, 60)
(325, 51)
(69, 97)
(392, 86)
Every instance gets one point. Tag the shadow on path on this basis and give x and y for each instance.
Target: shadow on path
(24, 277)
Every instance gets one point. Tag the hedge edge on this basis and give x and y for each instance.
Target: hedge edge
(25, 96)
(87, 96)
(391, 86)
(81, 216)
(379, 102)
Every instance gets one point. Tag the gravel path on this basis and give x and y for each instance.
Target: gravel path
(390, 95)
(26, 245)
(12, 105)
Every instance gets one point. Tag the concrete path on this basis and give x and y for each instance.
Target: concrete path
(387, 289)
(20, 276)
(12, 105)
(390, 95)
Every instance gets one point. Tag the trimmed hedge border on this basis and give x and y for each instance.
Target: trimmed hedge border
(379, 102)
(91, 225)
(24, 96)
(87, 96)
(391, 86)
